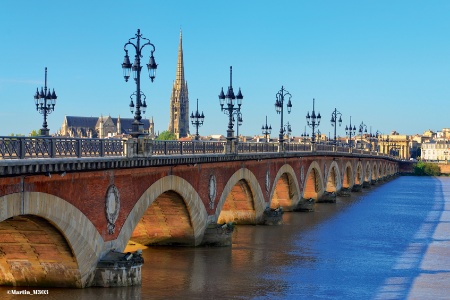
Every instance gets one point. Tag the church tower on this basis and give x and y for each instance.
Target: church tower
(179, 99)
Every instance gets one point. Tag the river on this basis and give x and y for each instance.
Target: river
(387, 242)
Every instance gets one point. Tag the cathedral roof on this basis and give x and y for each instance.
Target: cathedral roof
(73, 121)
(91, 122)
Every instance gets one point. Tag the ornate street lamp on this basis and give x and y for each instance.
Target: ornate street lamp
(197, 120)
(313, 121)
(266, 130)
(334, 120)
(304, 136)
(281, 94)
(362, 129)
(350, 131)
(287, 129)
(45, 104)
(229, 100)
(374, 137)
(127, 67)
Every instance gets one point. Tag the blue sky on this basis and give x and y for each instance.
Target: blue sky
(386, 63)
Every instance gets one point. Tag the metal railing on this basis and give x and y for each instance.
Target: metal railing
(59, 147)
(53, 147)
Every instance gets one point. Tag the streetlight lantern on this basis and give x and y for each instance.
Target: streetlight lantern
(127, 67)
(266, 130)
(313, 121)
(45, 102)
(279, 102)
(197, 120)
(334, 121)
(350, 131)
(152, 66)
(230, 109)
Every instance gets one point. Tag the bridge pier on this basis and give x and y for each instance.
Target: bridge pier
(327, 197)
(357, 188)
(218, 235)
(304, 205)
(117, 269)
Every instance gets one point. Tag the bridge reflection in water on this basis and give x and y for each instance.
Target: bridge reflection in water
(96, 206)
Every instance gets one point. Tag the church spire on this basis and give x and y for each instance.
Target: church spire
(180, 65)
(179, 99)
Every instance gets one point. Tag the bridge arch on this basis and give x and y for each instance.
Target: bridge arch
(242, 200)
(347, 178)
(174, 196)
(313, 185)
(374, 171)
(359, 174)
(44, 211)
(380, 171)
(334, 182)
(367, 172)
(285, 190)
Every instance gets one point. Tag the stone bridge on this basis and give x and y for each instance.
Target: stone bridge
(62, 218)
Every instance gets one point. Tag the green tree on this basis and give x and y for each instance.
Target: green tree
(426, 169)
(35, 133)
(166, 136)
(16, 134)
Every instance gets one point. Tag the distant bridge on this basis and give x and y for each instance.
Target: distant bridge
(66, 203)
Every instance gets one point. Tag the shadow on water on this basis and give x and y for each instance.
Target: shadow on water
(344, 250)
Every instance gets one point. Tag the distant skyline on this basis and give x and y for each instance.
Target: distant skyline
(386, 63)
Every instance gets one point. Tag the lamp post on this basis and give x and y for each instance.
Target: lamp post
(238, 115)
(362, 129)
(287, 129)
(279, 102)
(374, 137)
(304, 135)
(45, 104)
(197, 120)
(313, 121)
(230, 109)
(349, 130)
(127, 67)
(266, 130)
(334, 120)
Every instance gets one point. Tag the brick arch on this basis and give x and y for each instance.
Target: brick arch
(313, 185)
(347, 177)
(334, 182)
(285, 189)
(171, 183)
(367, 172)
(248, 183)
(359, 174)
(81, 235)
(374, 171)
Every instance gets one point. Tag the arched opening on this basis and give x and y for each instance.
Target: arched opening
(347, 183)
(367, 174)
(374, 172)
(332, 181)
(312, 185)
(165, 222)
(33, 252)
(283, 194)
(359, 174)
(239, 206)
